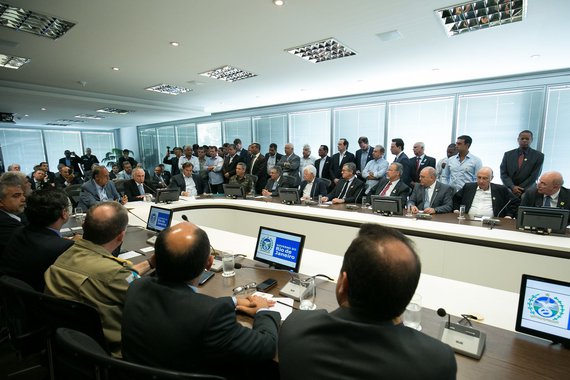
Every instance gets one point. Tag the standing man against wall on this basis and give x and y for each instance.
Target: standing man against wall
(521, 167)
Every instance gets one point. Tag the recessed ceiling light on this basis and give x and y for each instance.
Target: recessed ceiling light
(392, 35)
(69, 121)
(26, 115)
(59, 124)
(43, 109)
(174, 43)
(321, 51)
(535, 56)
(89, 116)
(168, 89)
(228, 74)
(435, 69)
(279, 3)
(31, 22)
(12, 62)
(115, 68)
(475, 15)
(115, 111)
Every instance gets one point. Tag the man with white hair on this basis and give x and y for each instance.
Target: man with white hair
(290, 163)
(307, 159)
(14, 168)
(138, 186)
(548, 192)
(311, 186)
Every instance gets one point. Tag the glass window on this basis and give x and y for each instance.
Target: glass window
(24, 147)
(557, 132)
(270, 129)
(424, 120)
(100, 143)
(494, 120)
(149, 148)
(238, 128)
(185, 135)
(165, 137)
(59, 141)
(312, 127)
(353, 122)
(210, 133)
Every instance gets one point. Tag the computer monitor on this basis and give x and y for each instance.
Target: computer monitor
(289, 195)
(543, 220)
(167, 195)
(386, 205)
(234, 191)
(279, 249)
(158, 219)
(543, 309)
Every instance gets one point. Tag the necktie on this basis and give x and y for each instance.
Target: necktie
(417, 164)
(521, 159)
(547, 201)
(386, 188)
(343, 191)
(141, 189)
(426, 198)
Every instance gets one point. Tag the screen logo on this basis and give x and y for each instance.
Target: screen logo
(546, 307)
(266, 245)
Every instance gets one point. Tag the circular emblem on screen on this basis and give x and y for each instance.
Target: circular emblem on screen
(266, 244)
(545, 306)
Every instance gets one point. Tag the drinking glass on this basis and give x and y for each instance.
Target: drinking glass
(308, 293)
(413, 313)
(228, 264)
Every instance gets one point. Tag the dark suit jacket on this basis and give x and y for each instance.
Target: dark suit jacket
(7, 227)
(500, 196)
(400, 190)
(527, 175)
(123, 159)
(75, 163)
(174, 163)
(156, 181)
(186, 331)
(345, 345)
(88, 162)
(336, 168)
(230, 166)
(177, 182)
(260, 170)
(31, 251)
(358, 157)
(132, 190)
(319, 188)
(407, 175)
(90, 196)
(424, 163)
(353, 194)
(533, 199)
(326, 161)
(44, 185)
(441, 200)
(281, 182)
(60, 181)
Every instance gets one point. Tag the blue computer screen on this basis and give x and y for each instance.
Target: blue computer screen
(279, 248)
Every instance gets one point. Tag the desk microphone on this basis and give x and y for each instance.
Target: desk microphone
(504, 207)
(464, 340)
(136, 216)
(185, 218)
(442, 313)
(150, 188)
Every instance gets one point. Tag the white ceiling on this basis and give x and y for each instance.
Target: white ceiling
(252, 35)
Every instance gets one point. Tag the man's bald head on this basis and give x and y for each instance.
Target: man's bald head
(104, 222)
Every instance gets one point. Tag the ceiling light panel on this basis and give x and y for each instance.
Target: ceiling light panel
(476, 15)
(168, 89)
(228, 74)
(115, 111)
(12, 62)
(32, 22)
(89, 116)
(322, 51)
(69, 121)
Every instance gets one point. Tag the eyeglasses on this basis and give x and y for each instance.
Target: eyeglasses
(243, 288)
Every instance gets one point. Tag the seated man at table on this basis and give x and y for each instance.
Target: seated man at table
(276, 180)
(12, 204)
(167, 323)
(240, 178)
(311, 187)
(548, 192)
(138, 186)
(99, 189)
(483, 198)
(349, 189)
(90, 271)
(431, 196)
(364, 338)
(188, 183)
(392, 185)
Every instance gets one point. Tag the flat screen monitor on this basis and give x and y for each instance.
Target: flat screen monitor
(234, 191)
(386, 205)
(543, 309)
(158, 219)
(542, 219)
(289, 195)
(167, 195)
(279, 249)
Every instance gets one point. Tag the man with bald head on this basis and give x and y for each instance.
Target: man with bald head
(430, 196)
(201, 330)
(91, 272)
(548, 192)
(138, 186)
(483, 198)
(364, 338)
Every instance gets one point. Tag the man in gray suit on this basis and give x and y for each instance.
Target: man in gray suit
(430, 196)
(289, 164)
(98, 190)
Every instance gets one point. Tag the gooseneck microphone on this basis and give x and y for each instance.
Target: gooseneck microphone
(150, 188)
(442, 313)
(504, 207)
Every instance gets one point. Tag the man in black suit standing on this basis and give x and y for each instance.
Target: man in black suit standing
(392, 185)
(72, 161)
(188, 183)
(430, 196)
(12, 203)
(419, 162)
(349, 189)
(339, 159)
(257, 167)
(363, 156)
(483, 198)
(230, 163)
(201, 329)
(272, 157)
(323, 164)
(125, 157)
(173, 161)
(88, 159)
(548, 192)
(138, 186)
(243, 153)
(397, 149)
(378, 277)
(521, 167)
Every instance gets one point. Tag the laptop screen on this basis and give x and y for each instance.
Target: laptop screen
(158, 219)
(279, 248)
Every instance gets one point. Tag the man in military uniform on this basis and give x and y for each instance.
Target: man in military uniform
(90, 272)
(240, 178)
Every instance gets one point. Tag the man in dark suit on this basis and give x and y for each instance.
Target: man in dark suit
(311, 187)
(419, 162)
(138, 186)
(230, 162)
(323, 164)
(275, 181)
(35, 247)
(98, 190)
(548, 192)
(72, 161)
(378, 277)
(38, 180)
(50, 176)
(272, 157)
(88, 160)
(339, 159)
(201, 330)
(392, 185)
(125, 157)
(257, 167)
(397, 149)
(290, 163)
(243, 153)
(160, 179)
(188, 183)
(483, 198)
(66, 178)
(363, 156)
(430, 196)
(521, 167)
(349, 189)
(173, 161)
(12, 203)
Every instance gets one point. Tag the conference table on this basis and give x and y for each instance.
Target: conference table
(232, 225)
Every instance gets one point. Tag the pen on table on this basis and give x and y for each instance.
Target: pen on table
(283, 303)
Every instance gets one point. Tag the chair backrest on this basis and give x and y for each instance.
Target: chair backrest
(327, 182)
(253, 178)
(73, 192)
(120, 185)
(75, 347)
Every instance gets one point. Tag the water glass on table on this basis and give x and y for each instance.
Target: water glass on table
(308, 293)
(228, 264)
(413, 313)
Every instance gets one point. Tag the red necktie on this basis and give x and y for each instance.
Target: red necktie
(521, 159)
(386, 189)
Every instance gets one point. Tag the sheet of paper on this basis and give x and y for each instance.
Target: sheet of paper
(128, 255)
(146, 249)
(283, 305)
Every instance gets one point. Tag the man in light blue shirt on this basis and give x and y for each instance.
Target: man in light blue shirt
(214, 165)
(463, 167)
(375, 169)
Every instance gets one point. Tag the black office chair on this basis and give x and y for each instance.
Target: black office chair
(120, 185)
(73, 192)
(253, 177)
(94, 363)
(327, 182)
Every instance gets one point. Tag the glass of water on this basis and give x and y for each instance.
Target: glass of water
(461, 212)
(413, 313)
(228, 264)
(308, 293)
(79, 215)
